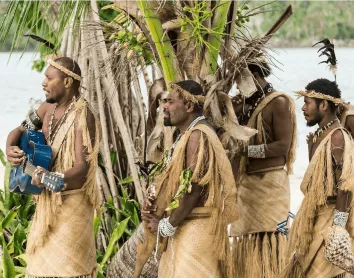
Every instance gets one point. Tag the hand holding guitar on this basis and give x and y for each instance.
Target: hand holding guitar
(15, 155)
(37, 175)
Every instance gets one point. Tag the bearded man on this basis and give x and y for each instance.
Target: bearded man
(323, 229)
(61, 241)
(263, 197)
(194, 194)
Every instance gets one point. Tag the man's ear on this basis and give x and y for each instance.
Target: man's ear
(190, 107)
(68, 82)
(324, 105)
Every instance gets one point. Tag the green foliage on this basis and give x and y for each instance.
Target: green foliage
(16, 212)
(116, 226)
(134, 41)
(185, 185)
(311, 20)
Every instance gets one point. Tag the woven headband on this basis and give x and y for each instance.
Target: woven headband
(314, 94)
(64, 69)
(187, 96)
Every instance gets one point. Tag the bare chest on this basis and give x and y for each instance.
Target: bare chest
(52, 122)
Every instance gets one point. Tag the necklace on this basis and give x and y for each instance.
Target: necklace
(254, 100)
(320, 131)
(170, 152)
(50, 138)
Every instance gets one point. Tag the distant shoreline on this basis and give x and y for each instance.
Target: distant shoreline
(282, 43)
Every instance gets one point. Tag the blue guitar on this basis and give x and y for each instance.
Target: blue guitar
(37, 154)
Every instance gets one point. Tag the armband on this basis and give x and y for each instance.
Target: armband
(340, 218)
(256, 151)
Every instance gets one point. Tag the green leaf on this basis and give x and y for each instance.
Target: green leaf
(135, 218)
(22, 259)
(127, 180)
(116, 235)
(20, 270)
(7, 263)
(9, 218)
(96, 224)
(113, 157)
(8, 200)
(2, 157)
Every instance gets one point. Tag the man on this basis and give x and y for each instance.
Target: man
(345, 114)
(263, 196)
(316, 248)
(195, 194)
(61, 240)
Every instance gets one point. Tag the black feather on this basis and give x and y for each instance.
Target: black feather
(41, 40)
(328, 50)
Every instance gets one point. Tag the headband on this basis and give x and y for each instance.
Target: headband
(64, 69)
(314, 94)
(187, 96)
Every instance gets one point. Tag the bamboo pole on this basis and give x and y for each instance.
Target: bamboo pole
(117, 111)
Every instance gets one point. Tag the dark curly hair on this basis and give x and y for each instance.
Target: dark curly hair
(194, 88)
(263, 69)
(326, 87)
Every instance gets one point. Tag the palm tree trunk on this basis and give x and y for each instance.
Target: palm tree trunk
(123, 263)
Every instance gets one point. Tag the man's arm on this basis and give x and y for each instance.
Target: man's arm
(349, 124)
(190, 200)
(343, 198)
(282, 129)
(75, 176)
(13, 152)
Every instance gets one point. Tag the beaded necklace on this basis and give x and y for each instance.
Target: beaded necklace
(320, 131)
(169, 156)
(254, 100)
(51, 136)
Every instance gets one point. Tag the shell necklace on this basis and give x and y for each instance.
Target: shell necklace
(319, 131)
(169, 156)
(51, 136)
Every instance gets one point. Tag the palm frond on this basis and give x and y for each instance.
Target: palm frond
(45, 19)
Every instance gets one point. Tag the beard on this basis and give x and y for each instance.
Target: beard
(167, 122)
(50, 100)
(315, 121)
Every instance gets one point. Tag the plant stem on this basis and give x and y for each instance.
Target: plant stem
(218, 25)
(164, 48)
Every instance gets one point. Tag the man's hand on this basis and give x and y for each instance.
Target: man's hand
(35, 177)
(309, 138)
(148, 207)
(15, 155)
(151, 221)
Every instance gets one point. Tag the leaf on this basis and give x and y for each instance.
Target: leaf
(22, 259)
(7, 263)
(96, 224)
(20, 270)
(8, 200)
(127, 180)
(113, 157)
(135, 218)
(116, 235)
(9, 218)
(2, 158)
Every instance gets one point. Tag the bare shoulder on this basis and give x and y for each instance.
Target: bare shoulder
(44, 108)
(280, 102)
(349, 123)
(195, 136)
(338, 138)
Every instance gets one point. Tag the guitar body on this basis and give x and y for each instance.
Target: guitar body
(37, 153)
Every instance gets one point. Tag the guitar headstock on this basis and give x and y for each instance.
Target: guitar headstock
(53, 181)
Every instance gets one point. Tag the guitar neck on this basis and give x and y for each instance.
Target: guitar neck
(30, 168)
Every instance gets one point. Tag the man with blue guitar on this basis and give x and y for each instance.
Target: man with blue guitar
(54, 157)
